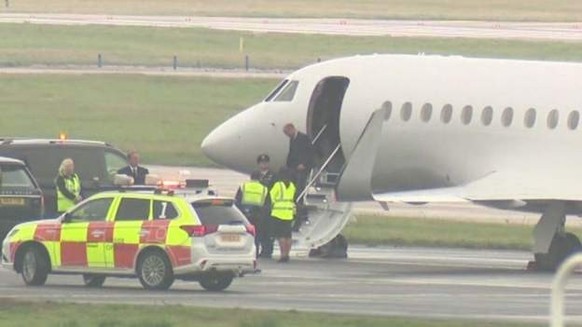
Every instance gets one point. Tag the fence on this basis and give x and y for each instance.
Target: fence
(173, 63)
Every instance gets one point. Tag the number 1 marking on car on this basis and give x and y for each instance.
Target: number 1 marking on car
(163, 213)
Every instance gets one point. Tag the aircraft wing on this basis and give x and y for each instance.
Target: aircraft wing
(499, 186)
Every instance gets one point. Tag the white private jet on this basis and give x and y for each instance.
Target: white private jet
(418, 129)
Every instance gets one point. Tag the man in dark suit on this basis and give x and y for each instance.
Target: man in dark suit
(300, 157)
(267, 177)
(134, 169)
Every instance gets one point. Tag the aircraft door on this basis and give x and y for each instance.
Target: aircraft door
(323, 122)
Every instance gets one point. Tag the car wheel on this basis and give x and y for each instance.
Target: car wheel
(35, 266)
(216, 282)
(154, 271)
(91, 280)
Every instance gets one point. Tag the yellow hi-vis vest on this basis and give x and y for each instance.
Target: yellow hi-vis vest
(253, 194)
(283, 201)
(73, 184)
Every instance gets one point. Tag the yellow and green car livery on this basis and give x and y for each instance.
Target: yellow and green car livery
(158, 236)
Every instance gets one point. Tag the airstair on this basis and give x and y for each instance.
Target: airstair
(326, 217)
(337, 177)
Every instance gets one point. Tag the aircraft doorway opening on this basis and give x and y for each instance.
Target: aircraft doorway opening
(323, 125)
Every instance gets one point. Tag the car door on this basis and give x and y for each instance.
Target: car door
(155, 231)
(130, 215)
(85, 233)
(20, 197)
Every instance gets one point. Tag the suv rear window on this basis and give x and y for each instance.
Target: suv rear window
(218, 212)
(15, 176)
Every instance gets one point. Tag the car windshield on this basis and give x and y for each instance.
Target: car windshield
(218, 212)
(114, 162)
(15, 176)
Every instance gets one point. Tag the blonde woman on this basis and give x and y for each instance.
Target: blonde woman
(68, 186)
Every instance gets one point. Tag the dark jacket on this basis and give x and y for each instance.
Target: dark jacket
(268, 178)
(139, 178)
(300, 152)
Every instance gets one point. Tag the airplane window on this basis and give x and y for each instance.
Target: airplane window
(553, 118)
(388, 107)
(573, 119)
(530, 118)
(446, 113)
(487, 115)
(467, 115)
(406, 111)
(426, 112)
(507, 117)
(288, 92)
(276, 90)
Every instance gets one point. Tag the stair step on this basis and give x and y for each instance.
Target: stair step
(321, 190)
(316, 198)
(328, 179)
(310, 207)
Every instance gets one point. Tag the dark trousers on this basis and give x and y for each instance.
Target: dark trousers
(300, 181)
(264, 240)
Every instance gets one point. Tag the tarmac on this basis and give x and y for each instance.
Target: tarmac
(406, 282)
(433, 283)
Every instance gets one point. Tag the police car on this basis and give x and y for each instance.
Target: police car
(158, 236)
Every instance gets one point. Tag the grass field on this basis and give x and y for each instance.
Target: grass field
(24, 45)
(164, 118)
(555, 10)
(51, 314)
(381, 230)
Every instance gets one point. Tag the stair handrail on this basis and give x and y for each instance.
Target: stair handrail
(565, 270)
(318, 134)
(323, 167)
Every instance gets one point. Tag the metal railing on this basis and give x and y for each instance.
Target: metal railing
(316, 176)
(319, 134)
(558, 289)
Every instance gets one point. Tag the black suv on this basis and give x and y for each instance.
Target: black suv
(20, 195)
(95, 162)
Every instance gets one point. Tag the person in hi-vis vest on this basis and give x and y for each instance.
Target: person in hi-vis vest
(68, 186)
(282, 197)
(251, 200)
(267, 177)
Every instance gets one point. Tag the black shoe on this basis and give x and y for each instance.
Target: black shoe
(283, 260)
(265, 256)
